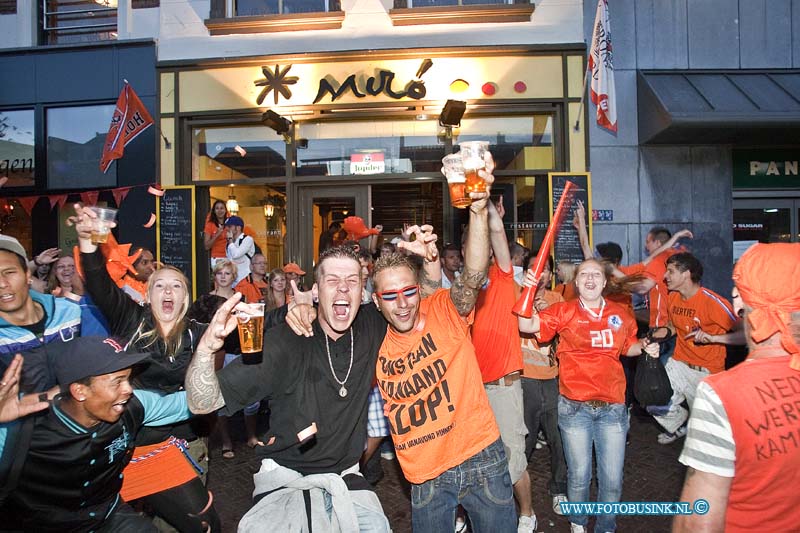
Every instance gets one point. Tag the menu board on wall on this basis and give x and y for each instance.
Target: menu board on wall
(176, 230)
(567, 246)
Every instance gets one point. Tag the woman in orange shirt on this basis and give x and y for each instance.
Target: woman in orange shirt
(593, 333)
(214, 232)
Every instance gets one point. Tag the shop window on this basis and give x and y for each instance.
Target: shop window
(16, 148)
(75, 137)
(516, 143)
(370, 147)
(236, 153)
(143, 4)
(79, 21)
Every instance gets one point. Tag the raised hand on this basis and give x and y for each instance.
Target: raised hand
(424, 243)
(12, 406)
(301, 312)
(222, 323)
(48, 256)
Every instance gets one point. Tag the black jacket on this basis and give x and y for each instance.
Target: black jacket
(163, 373)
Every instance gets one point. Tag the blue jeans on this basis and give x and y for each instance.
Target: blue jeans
(481, 484)
(605, 428)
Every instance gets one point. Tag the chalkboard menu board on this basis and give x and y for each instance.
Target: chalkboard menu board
(176, 230)
(567, 246)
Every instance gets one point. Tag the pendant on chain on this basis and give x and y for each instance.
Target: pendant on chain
(342, 392)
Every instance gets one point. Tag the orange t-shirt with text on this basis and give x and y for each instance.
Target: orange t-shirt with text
(708, 311)
(589, 346)
(495, 334)
(438, 412)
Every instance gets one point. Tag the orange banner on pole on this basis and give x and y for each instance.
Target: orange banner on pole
(130, 119)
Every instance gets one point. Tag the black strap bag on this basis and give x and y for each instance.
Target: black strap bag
(651, 385)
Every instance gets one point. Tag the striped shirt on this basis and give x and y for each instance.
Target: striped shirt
(709, 445)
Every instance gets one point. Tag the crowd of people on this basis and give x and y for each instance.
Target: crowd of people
(113, 379)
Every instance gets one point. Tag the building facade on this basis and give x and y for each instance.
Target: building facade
(299, 113)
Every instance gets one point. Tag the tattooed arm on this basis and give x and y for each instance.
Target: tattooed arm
(464, 292)
(202, 388)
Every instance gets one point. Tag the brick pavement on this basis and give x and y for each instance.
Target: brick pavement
(652, 473)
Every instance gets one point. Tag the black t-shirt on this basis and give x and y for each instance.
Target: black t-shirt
(296, 377)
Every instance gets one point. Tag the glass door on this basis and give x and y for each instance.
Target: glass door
(764, 220)
(319, 213)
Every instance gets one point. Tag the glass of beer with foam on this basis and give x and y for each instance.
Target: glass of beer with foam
(453, 170)
(250, 318)
(472, 157)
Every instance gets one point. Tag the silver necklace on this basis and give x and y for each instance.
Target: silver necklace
(343, 389)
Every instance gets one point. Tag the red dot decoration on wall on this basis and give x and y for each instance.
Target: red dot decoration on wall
(489, 88)
(520, 87)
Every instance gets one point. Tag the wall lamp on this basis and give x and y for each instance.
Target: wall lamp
(452, 112)
(276, 122)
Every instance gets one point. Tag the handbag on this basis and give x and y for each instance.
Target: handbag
(651, 384)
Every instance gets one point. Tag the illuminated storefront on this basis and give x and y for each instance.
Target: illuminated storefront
(303, 141)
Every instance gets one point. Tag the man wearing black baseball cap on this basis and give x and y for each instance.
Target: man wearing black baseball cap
(69, 467)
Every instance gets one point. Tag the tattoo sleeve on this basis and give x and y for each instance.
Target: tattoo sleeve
(465, 289)
(429, 286)
(202, 388)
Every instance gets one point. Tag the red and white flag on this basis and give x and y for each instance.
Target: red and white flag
(601, 68)
(130, 119)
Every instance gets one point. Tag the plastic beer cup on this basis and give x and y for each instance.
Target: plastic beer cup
(101, 224)
(453, 170)
(251, 333)
(472, 157)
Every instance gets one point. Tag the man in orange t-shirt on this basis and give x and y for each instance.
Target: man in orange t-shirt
(497, 347)
(254, 285)
(540, 392)
(695, 313)
(442, 426)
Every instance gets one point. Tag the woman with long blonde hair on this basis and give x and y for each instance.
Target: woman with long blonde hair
(279, 293)
(167, 459)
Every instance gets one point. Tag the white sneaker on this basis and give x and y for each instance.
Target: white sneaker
(575, 528)
(667, 438)
(557, 499)
(461, 526)
(526, 524)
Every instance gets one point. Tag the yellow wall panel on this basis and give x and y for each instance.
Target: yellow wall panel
(167, 96)
(167, 156)
(577, 140)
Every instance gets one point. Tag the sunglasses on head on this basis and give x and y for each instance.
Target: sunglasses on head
(390, 296)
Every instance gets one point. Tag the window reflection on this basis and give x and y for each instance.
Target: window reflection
(400, 4)
(248, 8)
(79, 21)
(237, 153)
(516, 143)
(16, 148)
(75, 137)
(390, 147)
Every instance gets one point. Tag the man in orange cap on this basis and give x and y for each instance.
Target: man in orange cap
(293, 273)
(743, 445)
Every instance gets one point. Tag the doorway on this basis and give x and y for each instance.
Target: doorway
(764, 220)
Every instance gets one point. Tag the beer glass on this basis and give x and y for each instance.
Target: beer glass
(453, 170)
(472, 157)
(251, 332)
(101, 224)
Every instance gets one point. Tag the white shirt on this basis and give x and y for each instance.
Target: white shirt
(240, 250)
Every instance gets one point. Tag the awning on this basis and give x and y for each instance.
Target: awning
(719, 107)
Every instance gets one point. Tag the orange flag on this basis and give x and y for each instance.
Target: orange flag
(130, 119)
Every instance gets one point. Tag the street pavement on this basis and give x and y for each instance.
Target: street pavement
(652, 473)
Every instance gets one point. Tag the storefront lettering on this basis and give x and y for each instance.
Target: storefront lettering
(8, 166)
(773, 168)
(373, 86)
